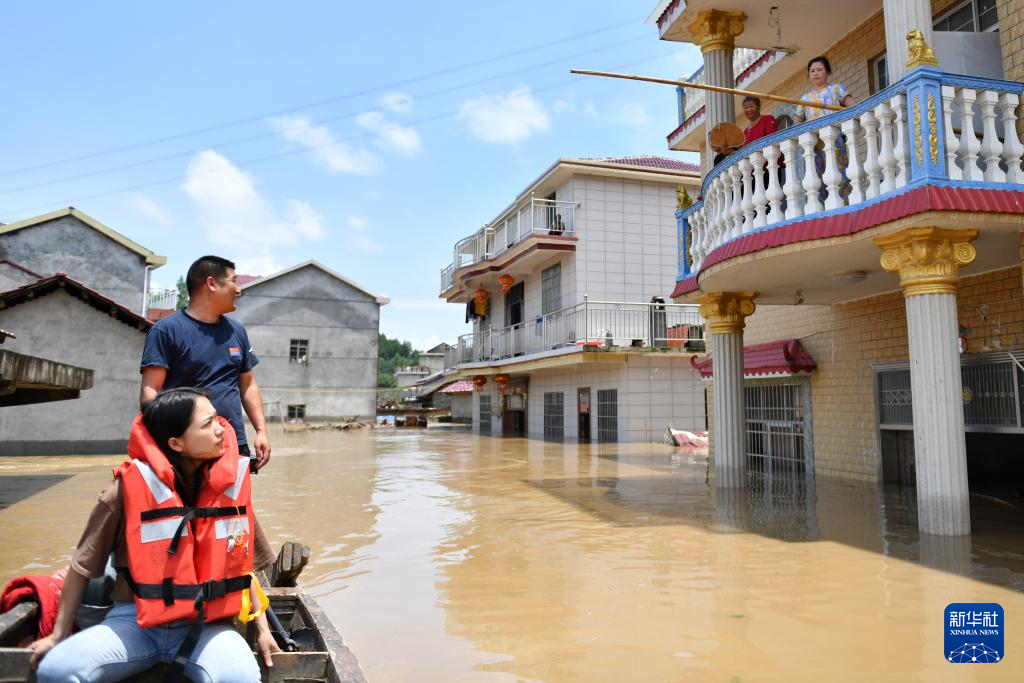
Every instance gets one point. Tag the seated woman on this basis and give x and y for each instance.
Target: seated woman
(818, 72)
(177, 519)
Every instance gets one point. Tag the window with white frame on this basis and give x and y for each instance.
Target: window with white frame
(607, 415)
(879, 74)
(298, 351)
(297, 411)
(551, 289)
(485, 415)
(554, 416)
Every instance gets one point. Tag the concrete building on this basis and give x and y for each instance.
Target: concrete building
(316, 334)
(59, 318)
(572, 339)
(433, 358)
(898, 266)
(69, 241)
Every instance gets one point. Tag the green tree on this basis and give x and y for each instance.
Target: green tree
(182, 294)
(393, 354)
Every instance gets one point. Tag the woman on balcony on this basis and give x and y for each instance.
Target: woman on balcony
(819, 70)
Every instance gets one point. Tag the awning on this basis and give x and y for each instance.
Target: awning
(463, 386)
(783, 358)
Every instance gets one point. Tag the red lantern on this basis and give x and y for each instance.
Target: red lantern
(479, 381)
(506, 281)
(501, 380)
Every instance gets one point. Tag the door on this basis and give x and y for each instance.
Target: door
(514, 318)
(513, 414)
(583, 412)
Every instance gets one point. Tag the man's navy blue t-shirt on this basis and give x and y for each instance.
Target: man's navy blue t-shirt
(208, 356)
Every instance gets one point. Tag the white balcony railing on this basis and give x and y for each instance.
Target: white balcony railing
(163, 298)
(930, 128)
(602, 324)
(535, 217)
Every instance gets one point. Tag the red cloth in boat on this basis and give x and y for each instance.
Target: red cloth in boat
(42, 590)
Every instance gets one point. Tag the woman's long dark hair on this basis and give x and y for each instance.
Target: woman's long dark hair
(168, 416)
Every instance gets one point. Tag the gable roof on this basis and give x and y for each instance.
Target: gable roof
(151, 258)
(381, 300)
(84, 293)
(648, 161)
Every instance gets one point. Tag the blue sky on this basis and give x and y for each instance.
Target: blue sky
(370, 137)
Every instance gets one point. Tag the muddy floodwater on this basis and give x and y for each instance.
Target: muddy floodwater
(446, 557)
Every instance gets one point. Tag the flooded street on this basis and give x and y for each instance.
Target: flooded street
(447, 557)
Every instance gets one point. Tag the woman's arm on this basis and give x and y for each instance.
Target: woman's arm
(847, 101)
(70, 600)
(265, 643)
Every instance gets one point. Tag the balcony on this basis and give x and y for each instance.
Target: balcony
(543, 221)
(932, 149)
(591, 325)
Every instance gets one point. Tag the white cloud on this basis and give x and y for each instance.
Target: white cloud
(390, 135)
(234, 214)
(263, 264)
(336, 155)
(505, 118)
(149, 209)
(633, 114)
(396, 102)
(561, 106)
(359, 236)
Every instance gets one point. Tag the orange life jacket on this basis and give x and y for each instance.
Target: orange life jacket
(186, 562)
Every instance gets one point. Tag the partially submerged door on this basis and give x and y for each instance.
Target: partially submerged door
(583, 414)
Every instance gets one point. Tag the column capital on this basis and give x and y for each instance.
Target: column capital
(726, 312)
(716, 29)
(927, 259)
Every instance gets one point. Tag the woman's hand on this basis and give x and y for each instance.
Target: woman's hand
(40, 647)
(265, 643)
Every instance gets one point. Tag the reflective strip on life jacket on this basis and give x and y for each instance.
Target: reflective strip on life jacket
(225, 527)
(161, 530)
(161, 492)
(243, 468)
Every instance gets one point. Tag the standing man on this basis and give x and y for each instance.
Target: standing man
(200, 347)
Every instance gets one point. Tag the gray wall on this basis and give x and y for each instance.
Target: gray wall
(66, 244)
(12, 278)
(62, 328)
(341, 324)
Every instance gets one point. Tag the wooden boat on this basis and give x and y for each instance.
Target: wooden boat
(326, 659)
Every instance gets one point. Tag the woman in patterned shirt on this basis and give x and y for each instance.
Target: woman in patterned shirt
(818, 71)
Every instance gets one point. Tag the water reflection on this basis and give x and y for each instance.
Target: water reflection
(449, 557)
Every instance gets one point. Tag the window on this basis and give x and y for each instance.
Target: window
(551, 289)
(297, 411)
(879, 74)
(485, 414)
(554, 416)
(777, 424)
(298, 352)
(973, 16)
(607, 415)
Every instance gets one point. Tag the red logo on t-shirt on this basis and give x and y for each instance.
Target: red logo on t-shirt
(234, 351)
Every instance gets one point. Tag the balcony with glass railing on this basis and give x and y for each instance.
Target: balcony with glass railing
(595, 326)
(932, 142)
(532, 219)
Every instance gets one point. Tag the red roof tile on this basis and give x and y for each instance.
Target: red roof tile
(648, 161)
(246, 279)
(19, 266)
(86, 294)
(463, 386)
(785, 357)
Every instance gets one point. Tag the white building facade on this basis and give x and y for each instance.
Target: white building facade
(566, 290)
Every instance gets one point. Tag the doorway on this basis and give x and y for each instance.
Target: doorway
(513, 413)
(583, 413)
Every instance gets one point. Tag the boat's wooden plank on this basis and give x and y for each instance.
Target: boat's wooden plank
(19, 623)
(14, 665)
(346, 666)
(296, 666)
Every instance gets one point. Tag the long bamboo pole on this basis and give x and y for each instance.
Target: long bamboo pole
(702, 86)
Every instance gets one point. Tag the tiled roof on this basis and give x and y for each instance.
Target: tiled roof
(84, 293)
(650, 161)
(246, 279)
(778, 358)
(463, 386)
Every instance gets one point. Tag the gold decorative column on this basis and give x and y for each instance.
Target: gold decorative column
(725, 314)
(715, 32)
(928, 261)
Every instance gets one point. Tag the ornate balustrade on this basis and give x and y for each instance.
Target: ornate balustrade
(929, 128)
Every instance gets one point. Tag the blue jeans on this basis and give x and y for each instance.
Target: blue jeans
(118, 647)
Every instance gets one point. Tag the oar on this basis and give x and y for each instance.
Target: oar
(712, 88)
(299, 639)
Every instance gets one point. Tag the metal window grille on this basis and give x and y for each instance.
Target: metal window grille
(971, 16)
(297, 411)
(607, 415)
(554, 416)
(551, 289)
(777, 418)
(485, 414)
(993, 388)
(298, 351)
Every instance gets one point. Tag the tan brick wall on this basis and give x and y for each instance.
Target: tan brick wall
(847, 340)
